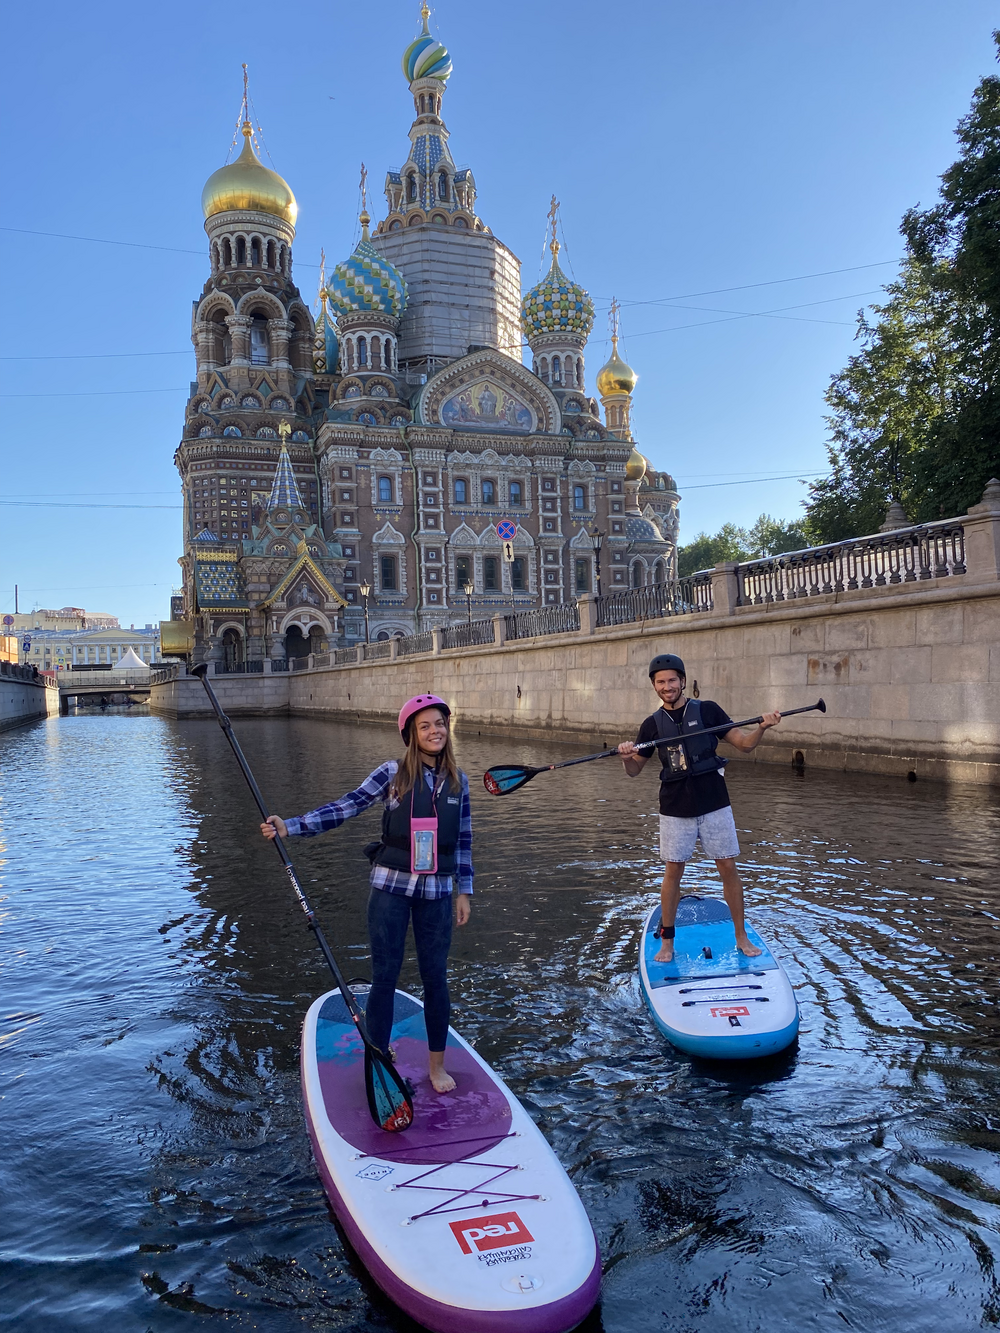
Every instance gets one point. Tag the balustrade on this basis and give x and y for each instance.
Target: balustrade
(679, 597)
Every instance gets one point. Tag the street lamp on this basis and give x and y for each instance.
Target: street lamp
(365, 589)
(596, 542)
(468, 589)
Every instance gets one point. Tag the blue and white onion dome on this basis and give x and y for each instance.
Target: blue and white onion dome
(366, 281)
(557, 305)
(426, 57)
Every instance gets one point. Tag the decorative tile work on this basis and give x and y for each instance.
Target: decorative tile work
(426, 58)
(366, 281)
(219, 583)
(557, 305)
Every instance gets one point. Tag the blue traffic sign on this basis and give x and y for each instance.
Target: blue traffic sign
(506, 530)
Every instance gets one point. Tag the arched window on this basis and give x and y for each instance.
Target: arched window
(241, 250)
(582, 571)
(579, 372)
(270, 254)
(489, 491)
(411, 188)
(461, 491)
(518, 574)
(215, 256)
(463, 571)
(388, 353)
(659, 572)
(637, 575)
(556, 371)
(281, 260)
(255, 252)
(260, 352)
(491, 574)
(376, 354)
(227, 252)
(387, 568)
(461, 222)
(543, 373)
(385, 490)
(362, 351)
(443, 185)
(568, 371)
(579, 497)
(514, 494)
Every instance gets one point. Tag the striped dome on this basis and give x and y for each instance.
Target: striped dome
(426, 58)
(557, 305)
(366, 281)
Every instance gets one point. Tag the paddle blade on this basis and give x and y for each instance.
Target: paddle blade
(821, 706)
(388, 1097)
(507, 778)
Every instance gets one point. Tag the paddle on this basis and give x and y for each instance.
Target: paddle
(388, 1099)
(505, 778)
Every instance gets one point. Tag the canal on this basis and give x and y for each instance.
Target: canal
(156, 1168)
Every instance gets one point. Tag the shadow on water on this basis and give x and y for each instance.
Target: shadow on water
(156, 971)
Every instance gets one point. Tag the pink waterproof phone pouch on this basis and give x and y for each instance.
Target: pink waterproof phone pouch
(423, 846)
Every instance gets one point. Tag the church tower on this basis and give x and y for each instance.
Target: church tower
(557, 316)
(464, 285)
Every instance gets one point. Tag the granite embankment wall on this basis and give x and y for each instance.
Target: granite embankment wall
(24, 700)
(910, 674)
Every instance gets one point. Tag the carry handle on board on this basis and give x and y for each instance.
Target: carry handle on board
(505, 778)
(388, 1097)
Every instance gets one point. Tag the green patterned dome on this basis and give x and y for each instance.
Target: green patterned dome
(557, 305)
(366, 281)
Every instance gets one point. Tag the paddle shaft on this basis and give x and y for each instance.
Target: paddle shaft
(676, 740)
(293, 879)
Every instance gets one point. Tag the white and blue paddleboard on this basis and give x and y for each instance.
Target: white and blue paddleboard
(466, 1220)
(712, 1000)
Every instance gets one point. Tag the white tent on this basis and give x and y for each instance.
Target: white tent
(131, 662)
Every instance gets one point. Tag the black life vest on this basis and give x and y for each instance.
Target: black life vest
(701, 751)
(445, 803)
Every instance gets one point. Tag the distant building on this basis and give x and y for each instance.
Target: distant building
(378, 444)
(66, 618)
(62, 650)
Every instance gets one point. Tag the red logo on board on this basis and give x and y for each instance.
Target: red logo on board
(490, 1233)
(730, 1010)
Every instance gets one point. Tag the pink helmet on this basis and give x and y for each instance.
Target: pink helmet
(417, 705)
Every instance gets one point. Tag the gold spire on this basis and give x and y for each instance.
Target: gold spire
(425, 14)
(553, 214)
(246, 184)
(364, 217)
(322, 293)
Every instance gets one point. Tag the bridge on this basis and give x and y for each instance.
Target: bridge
(94, 685)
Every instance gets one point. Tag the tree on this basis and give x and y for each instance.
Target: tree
(767, 536)
(915, 415)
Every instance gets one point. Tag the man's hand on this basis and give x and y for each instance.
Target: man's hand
(275, 824)
(626, 747)
(769, 720)
(463, 909)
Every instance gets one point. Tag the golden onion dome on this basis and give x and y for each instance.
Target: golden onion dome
(635, 468)
(615, 376)
(247, 185)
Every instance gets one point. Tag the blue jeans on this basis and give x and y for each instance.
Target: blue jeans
(389, 915)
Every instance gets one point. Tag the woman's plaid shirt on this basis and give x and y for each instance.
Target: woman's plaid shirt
(376, 788)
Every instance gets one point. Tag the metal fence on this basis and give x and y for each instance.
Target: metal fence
(344, 655)
(279, 663)
(374, 651)
(906, 555)
(679, 597)
(467, 636)
(253, 667)
(17, 671)
(166, 673)
(415, 643)
(545, 620)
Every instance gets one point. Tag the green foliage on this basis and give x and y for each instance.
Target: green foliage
(915, 414)
(768, 536)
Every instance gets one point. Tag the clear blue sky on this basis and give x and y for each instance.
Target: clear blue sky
(693, 147)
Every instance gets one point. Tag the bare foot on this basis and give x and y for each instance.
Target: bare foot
(666, 954)
(746, 948)
(441, 1080)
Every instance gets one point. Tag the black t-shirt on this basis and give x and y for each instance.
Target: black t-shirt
(697, 794)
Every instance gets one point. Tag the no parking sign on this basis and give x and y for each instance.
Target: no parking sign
(506, 529)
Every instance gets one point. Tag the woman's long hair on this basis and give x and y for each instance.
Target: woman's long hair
(411, 765)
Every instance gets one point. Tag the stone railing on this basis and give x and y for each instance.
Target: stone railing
(469, 635)
(171, 672)
(252, 667)
(344, 655)
(415, 643)
(546, 620)
(905, 555)
(680, 597)
(374, 651)
(15, 671)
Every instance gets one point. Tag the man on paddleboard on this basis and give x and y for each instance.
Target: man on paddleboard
(694, 800)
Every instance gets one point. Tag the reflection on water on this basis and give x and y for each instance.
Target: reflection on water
(155, 973)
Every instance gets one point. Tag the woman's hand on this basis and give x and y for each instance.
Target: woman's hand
(463, 909)
(275, 824)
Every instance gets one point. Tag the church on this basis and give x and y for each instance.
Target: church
(345, 466)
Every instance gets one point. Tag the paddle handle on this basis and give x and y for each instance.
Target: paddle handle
(201, 671)
(819, 705)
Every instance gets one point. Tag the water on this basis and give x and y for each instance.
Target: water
(156, 1168)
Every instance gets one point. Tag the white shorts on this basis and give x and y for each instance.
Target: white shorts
(717, 831)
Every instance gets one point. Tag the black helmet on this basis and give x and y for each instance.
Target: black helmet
(667, 662)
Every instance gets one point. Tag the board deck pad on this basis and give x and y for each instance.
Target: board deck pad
(442, 1123)
(467, 1219)
(702, 923)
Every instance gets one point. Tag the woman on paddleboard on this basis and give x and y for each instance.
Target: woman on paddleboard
(426, 845)
(694, 800)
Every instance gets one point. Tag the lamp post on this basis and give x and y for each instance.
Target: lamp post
(468, 589)
(596, 542)
(365, 589)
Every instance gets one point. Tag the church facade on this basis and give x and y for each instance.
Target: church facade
(344, 471)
